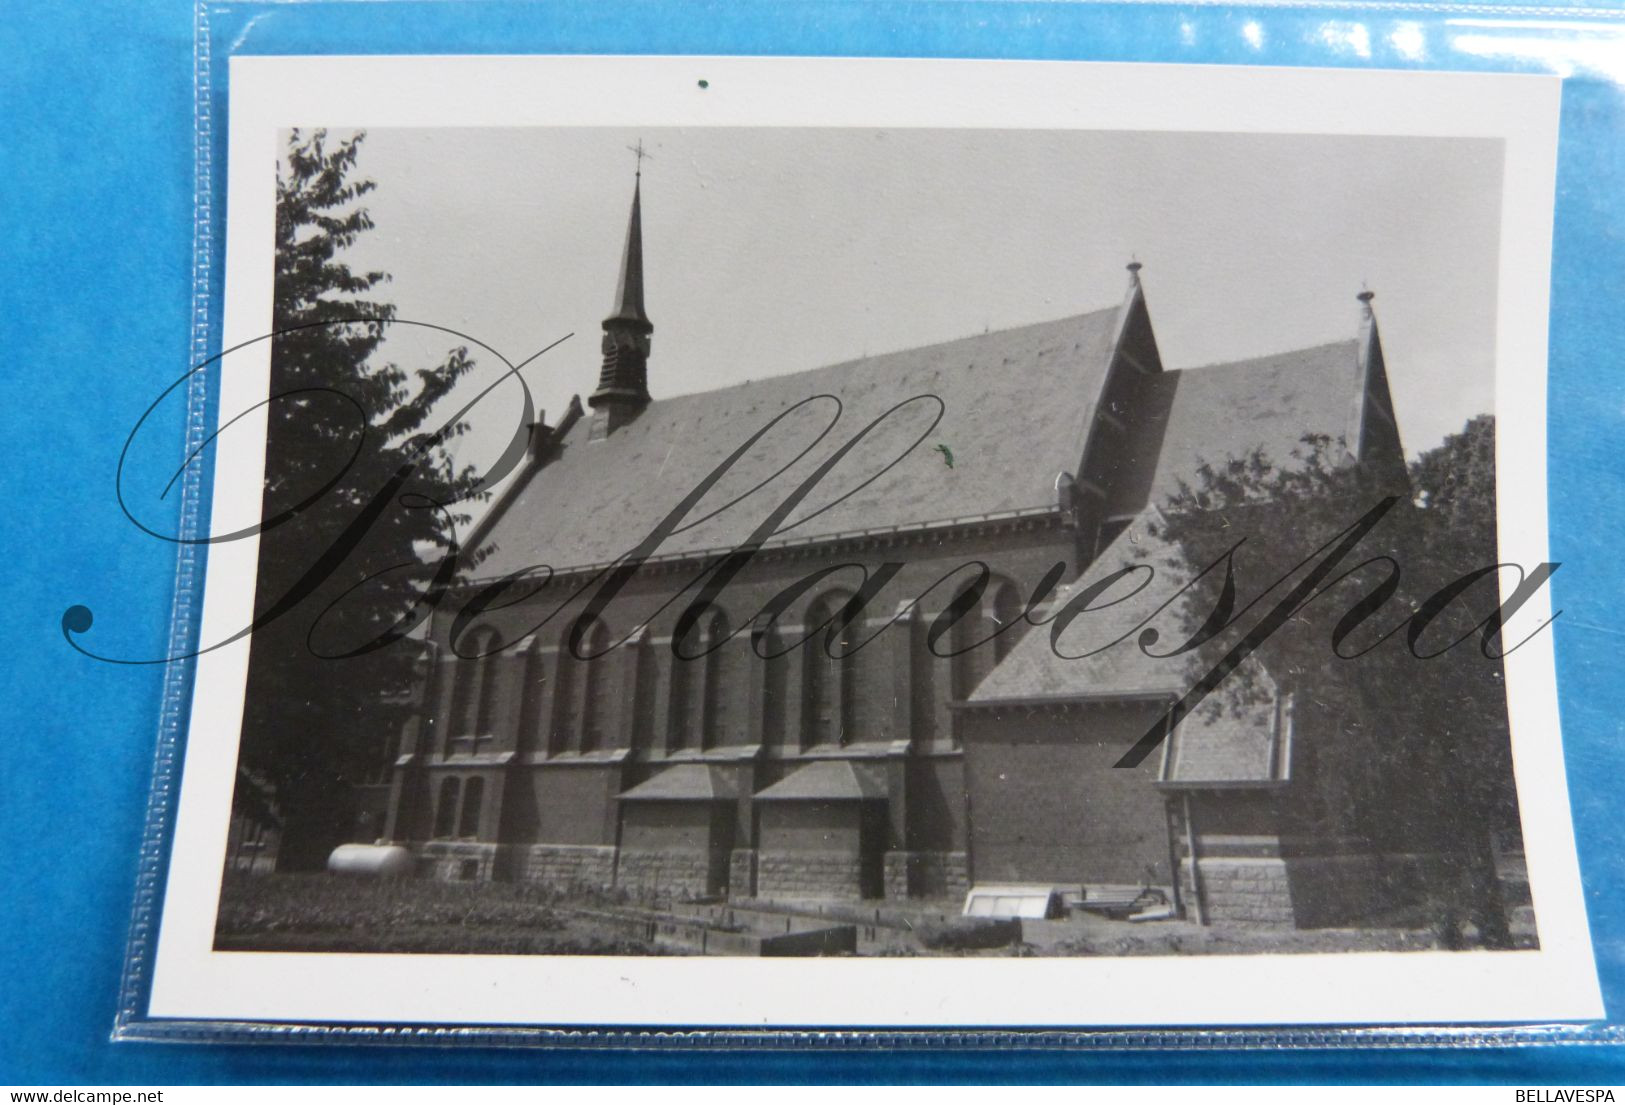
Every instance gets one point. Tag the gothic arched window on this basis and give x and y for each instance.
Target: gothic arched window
(445, 810)
(965, 665)
(475, 701)
(468, 824)
(772, 668)
(642, 656)
(831, 680)
(715, 689)
(594, 686)
(532, 715)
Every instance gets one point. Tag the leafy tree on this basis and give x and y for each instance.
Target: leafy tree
(1413, 747)
(361, 501)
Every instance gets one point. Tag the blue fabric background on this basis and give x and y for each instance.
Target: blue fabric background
(95, 303)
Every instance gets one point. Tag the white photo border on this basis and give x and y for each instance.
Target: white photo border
(1558, 982)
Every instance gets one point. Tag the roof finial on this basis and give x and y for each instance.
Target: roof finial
(1134, 267)
(1365, 297)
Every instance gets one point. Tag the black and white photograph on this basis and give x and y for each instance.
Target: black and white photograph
(880, 541)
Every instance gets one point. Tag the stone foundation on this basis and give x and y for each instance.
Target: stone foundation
(651, 874)
(897, 874)
(590, 865)
(1324, 891)
(687, 874)
(460, 861)
(1242, 890)
(742, 873)
(927, 875)
(808, 875)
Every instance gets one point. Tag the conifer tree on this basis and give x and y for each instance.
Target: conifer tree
(362, 500)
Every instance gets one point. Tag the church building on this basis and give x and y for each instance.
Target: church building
(731, 753)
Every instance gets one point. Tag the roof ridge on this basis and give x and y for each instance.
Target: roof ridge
(866, 357)
(1246, 362)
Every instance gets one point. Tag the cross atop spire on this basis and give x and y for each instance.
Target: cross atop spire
(642, 153)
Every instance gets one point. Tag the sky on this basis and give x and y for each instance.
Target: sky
(775, 250)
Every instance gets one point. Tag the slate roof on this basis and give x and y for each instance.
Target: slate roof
(1033, 669)
(683, 783)
(1228, 743)
(827, 780)
(1227, 410)
(1231, 737)
(1017, 404)
(1213, 414)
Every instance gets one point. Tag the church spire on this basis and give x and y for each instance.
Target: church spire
(629, 291)
(623, 381)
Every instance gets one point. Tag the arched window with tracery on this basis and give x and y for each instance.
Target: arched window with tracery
(830, 683)
(445, 810)
(468, 823)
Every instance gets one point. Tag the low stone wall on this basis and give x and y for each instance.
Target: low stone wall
(808, 875)
(651, 873)
(460, 861)
(566, 864)
(927, 874)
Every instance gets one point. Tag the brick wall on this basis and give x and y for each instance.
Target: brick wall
(936, 805)
(566, 801)
(815, 849)
(1047, 804)
(575, 803)
(667, 826)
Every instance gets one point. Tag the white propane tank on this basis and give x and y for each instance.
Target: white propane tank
(378, 861)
